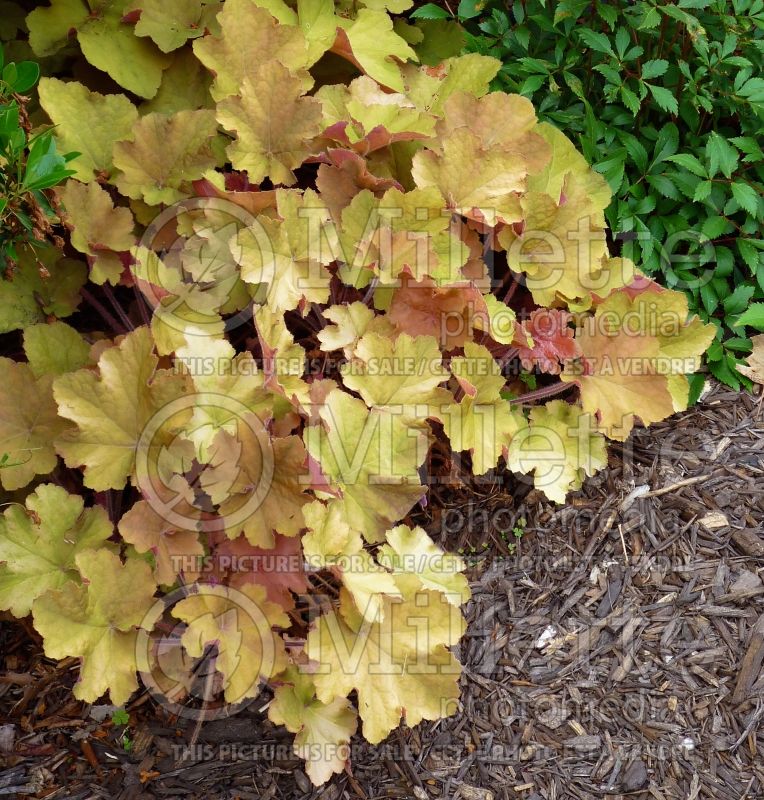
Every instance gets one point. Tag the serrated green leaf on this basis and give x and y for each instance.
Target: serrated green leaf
(654, 68)
(753, 317)
(690, 162)
(710, 299)
(738, 300)
(664, 98)
(622, 40)
(610, 72)
(596, 41)
(702, 191)
(749, 146)
(752, 90)
(664, 185)
(720, 155)
(713, 226)
(746, 196)
(630, 100)
(724, 371)
(636, 151)
(667, 143)
(749, 253)
(650, 20)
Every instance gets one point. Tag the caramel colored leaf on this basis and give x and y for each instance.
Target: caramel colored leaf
(29, 424)
(107, 41)
(112, 409)
(373, 456)
(39, 543)
(55, 348)
(97, 226)
(274, 124)
(97, 622)
(165, 153)
(87, 123)
(323, 729)
(398, 666)
(560, 446)
(249, 38)
(240, 623)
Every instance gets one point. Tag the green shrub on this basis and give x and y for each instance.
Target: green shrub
(667, 101)
(28, 164)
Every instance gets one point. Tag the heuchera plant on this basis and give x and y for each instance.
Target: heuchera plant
(330, 275)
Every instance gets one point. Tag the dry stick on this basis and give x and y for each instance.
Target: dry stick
(546, 391)
(679, 485)
(208, 678)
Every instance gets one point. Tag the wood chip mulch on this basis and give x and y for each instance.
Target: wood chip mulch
(614, 650)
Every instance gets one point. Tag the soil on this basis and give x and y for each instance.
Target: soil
(614, 649)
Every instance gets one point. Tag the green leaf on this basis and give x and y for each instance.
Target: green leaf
(746, 196)
(27, 75)
(569, 9)
(608, 13)
(9, 121)
(630, 100)
(610, 72)
(468, 9)
(702, 191)
(667, 143)
(720, 155)
(596, 41)
(532, 83)
(650, 20)
(664, 98)
(738, 300)
(622, 40)
(430, 11)
(724, 371)
(738, 344)
(644, 206)
(574, 82)
(636, 151)
(709, 297)
(753, 317)
(664, 185)
(45, 166)
(654, 68)
(689, 162)
(697, 384)
(749, 253)
(120, 717)
(713, 227)
(753, 90)
(749, 146)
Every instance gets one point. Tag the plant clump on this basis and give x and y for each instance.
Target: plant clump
(313, 253)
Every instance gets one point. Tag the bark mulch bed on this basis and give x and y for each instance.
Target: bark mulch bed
(614, 650)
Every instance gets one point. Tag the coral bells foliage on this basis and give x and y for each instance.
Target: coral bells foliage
(317, 270)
